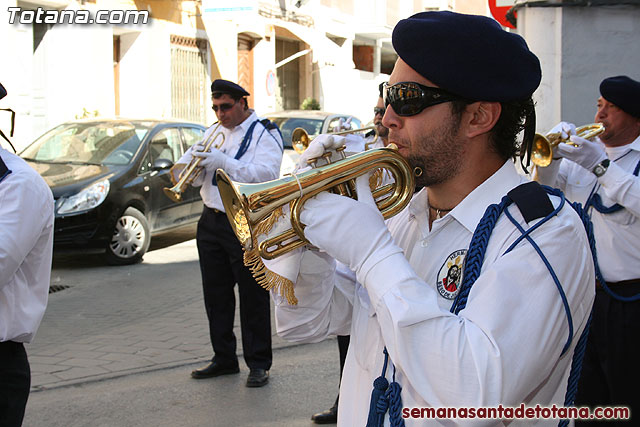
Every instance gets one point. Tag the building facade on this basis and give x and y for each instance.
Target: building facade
(282, 51)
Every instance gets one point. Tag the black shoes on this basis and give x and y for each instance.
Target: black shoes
(330, 416)
(214, 369)
(257, 378)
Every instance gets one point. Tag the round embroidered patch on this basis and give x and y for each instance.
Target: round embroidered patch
(450, 274)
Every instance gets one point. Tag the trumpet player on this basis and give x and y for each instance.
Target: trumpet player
(251, 151)
(378, 114)
(437, 317)
(330, 416)
(603, 175)
(26, 236)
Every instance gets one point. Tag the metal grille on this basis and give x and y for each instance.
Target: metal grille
(189, 79)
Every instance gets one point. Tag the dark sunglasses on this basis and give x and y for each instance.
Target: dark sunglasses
(223, 107)
(378, 110)
(410, 98)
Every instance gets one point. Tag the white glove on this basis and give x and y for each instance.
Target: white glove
(326, 142)
(343, 125)
(351, 231)
(211, 160)
(588, 154)
(566, 129)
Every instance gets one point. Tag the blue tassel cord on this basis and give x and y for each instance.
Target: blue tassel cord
(385, 397)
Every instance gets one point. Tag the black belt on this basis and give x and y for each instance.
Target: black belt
(214, 210)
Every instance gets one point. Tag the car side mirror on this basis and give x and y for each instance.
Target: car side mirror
(161, 164)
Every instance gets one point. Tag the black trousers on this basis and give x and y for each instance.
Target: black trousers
(343, 347)
(222, 266)
(15, 381)
(610, 373)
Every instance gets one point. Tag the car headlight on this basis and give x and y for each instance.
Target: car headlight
(88, 198)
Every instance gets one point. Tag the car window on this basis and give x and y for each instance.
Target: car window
(90, 143)
(146, 164)
(166, 145)
(192, 136)
(288, 124)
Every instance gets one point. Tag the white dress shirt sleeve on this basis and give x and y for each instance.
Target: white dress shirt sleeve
(325, 291)
(23, 216)
(623, 187)
(554, 175)
(26, 236)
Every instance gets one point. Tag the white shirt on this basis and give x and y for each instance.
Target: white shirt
(503, 348)
(617, 234)
(26, 246)
(261, 161)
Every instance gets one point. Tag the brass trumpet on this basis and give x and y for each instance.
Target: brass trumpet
(191, 172)
(543, 146)
(300, 138)
(247, 205)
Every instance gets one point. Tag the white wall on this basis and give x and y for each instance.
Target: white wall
(145, 73)
(578, 47)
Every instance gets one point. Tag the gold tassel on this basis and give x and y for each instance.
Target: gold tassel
(265, 277)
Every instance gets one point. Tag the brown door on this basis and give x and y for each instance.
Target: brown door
(245, 65)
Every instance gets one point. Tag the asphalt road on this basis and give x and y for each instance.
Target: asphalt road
(304, 380)
(117, 344)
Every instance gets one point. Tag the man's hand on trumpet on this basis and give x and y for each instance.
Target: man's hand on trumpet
(325, 143)
(582, 151)
(565, 129)
(211, 160)
(329, 215)
(585, 153)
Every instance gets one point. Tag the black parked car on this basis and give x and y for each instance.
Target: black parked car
(107, 179)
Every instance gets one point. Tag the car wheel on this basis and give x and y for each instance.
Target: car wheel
(130, 239)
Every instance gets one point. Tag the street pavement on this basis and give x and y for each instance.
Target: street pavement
(106, 324)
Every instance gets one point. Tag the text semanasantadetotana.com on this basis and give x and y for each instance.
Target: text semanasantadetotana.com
(520, 412)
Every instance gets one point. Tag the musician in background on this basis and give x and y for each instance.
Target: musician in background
(603, 176)
(383, 132)
(251, 152)
(330, 416)
(417, 339)
(26, 247)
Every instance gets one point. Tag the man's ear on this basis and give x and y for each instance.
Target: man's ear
(481, 117)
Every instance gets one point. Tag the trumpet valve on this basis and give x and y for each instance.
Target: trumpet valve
(340, 150)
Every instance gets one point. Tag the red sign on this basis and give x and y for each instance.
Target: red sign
(499, 10)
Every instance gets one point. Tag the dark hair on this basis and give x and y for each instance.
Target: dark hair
(511, 122)
(235, 97)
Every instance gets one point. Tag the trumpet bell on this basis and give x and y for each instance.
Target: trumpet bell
(541, 153)
(174, 193)
(300, 140)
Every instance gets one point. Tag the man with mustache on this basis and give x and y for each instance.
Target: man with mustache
(603, 175)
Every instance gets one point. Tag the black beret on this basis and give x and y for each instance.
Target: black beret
(623, 92)
(469, 55)
(3, 91)
(220, 86)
